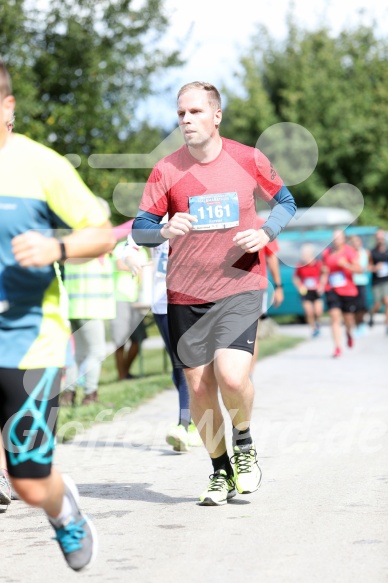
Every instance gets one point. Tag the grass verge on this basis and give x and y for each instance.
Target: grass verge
(117, 396)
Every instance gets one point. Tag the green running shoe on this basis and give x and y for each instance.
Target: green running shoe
(220, 489)
(247, 473)
(194, 436)
(178, 437)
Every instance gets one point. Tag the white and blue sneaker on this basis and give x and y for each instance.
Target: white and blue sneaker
(76, 536)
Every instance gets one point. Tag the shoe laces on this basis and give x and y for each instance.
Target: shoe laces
(70, 535)
(218, 482)
(244, 460)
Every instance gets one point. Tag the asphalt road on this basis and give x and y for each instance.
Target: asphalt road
(320, 516)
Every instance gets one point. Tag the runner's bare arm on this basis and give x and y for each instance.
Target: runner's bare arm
(32, 249)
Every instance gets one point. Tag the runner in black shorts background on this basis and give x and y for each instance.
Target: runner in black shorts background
(307, 280)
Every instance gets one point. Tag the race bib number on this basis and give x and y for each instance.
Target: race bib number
(383, 271)
(337, 279)
(310, 283)
(215, 211)
(161, 268)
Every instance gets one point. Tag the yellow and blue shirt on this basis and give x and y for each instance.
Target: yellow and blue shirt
(39, 191)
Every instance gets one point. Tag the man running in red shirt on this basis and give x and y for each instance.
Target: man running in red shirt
(339, 263)
(268, 259)
(307, 280)
(208, 188)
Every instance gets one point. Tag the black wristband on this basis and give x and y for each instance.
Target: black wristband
(62, 247)
(278, 285)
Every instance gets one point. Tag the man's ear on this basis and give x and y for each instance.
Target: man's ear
(217, 117)
(9, 106)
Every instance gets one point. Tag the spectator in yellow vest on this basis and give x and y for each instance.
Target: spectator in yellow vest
(91, 301)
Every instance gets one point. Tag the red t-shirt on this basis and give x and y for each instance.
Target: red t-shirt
(310, 274)
(205, 265)
(340, 279)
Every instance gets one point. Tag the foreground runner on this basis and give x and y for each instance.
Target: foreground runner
(5, 485)
(39, 191)
(208, 189)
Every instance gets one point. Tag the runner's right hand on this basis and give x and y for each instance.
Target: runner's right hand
(180, 224)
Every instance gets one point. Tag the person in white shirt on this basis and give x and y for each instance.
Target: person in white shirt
(183, 435)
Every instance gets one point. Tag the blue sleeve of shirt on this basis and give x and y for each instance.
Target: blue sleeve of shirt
(146, 229)
(283, 208)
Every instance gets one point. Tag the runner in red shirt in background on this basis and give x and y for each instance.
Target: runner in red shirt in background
(268, 258)
(339, 263)
(307, 280)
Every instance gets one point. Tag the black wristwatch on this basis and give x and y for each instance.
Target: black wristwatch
(269, 233)
(62, 247)
(277, 285)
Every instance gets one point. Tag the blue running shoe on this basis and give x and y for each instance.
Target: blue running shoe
(77, 536)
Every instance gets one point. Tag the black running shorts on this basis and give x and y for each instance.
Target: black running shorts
(28, 414)
(198, 330)
(347, 304)
(310, 296)
(362, 301)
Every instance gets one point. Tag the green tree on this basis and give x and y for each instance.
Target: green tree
(337, 88)
(80, 71)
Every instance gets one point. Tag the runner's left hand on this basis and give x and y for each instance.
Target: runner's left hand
(251, 240)
(31, 249)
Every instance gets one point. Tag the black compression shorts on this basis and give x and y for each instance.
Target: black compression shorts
(28, 414)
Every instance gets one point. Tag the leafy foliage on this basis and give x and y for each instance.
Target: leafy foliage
(337, 88)
(80, 70)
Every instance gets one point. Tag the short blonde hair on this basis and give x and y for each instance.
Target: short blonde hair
(213, 93)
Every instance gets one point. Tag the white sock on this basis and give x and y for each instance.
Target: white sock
(64, 513)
